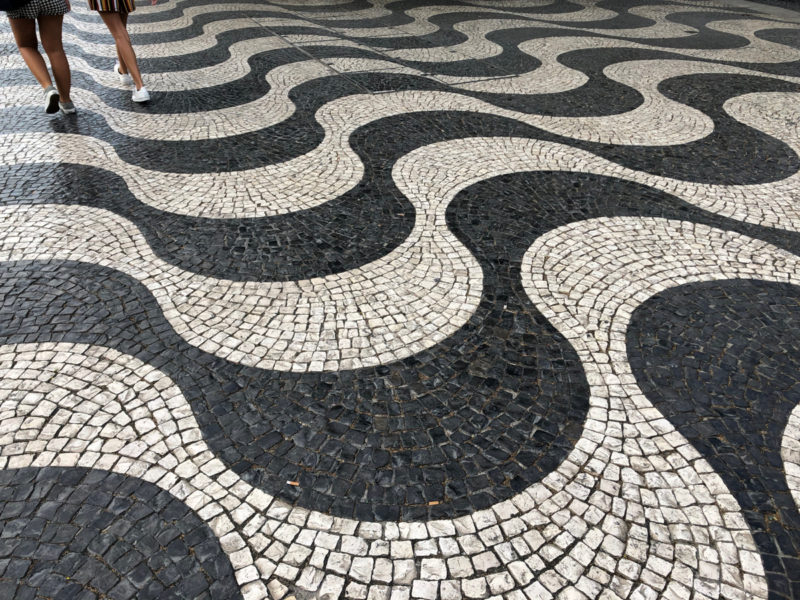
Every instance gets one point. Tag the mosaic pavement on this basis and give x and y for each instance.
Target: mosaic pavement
(411, 299)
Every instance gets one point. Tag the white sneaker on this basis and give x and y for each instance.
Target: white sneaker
(125, 78)
(68, 108)
(141, 95)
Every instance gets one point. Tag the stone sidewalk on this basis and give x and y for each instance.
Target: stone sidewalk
(414, 299)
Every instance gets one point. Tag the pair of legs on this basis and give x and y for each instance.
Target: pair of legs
(50, 32)
(117, 24)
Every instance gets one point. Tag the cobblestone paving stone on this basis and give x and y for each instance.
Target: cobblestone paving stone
(392, 300)
(727, 377)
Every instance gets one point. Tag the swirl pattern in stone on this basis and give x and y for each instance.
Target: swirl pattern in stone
(346, 304)
(435, 435)
(722, 362)
(85, 533)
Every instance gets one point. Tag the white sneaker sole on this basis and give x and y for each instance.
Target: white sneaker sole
(141, 95)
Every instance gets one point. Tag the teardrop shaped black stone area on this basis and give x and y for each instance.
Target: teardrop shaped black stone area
(721, 361)
(88, 533)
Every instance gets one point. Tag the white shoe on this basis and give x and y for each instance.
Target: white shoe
(141, 95)
(68, 108)
(125, 78)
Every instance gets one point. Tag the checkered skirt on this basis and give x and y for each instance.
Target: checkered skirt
(39, 8)
(112, 5)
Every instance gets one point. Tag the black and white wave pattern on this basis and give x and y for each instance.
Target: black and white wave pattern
(405, 299)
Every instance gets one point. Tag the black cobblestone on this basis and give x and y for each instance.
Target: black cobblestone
(721, 361)
(79, 560)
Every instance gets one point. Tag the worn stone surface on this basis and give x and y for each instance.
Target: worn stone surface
(389, 300)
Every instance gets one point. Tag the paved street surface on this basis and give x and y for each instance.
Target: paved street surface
(413, 299)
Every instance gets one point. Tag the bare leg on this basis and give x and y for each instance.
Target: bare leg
(25, 36)
(123, 68)
(50, 30)
(115, 25)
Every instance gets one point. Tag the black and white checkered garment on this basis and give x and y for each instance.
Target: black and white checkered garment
(38, 8)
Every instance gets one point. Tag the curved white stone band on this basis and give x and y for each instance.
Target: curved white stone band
(398, 305)
(477, 45)
(775, 204)
(633, 502)
(287, 186)
(790, 453)
(587, 278)
(186, 18)
(657, 121)
(550, 77)
(65, 405)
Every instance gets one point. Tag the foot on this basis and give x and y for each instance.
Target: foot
(125, 78)
(141, 95)
(68, 108)
(50, 100)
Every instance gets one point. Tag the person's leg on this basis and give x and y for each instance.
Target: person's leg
(123, 68)
(113, 21)
(50, 30)
(25, 36)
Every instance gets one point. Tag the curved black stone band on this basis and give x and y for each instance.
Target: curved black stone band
(721, 361)
(374, 217)
(509, 62)
(277, 426)
(465, 424)
(86, 533)
(354, 229)
(711, 159)
(787, 37)
(192, 30)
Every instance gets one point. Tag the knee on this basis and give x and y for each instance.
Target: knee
(28, 44)
(122, 37)
(53, 46)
